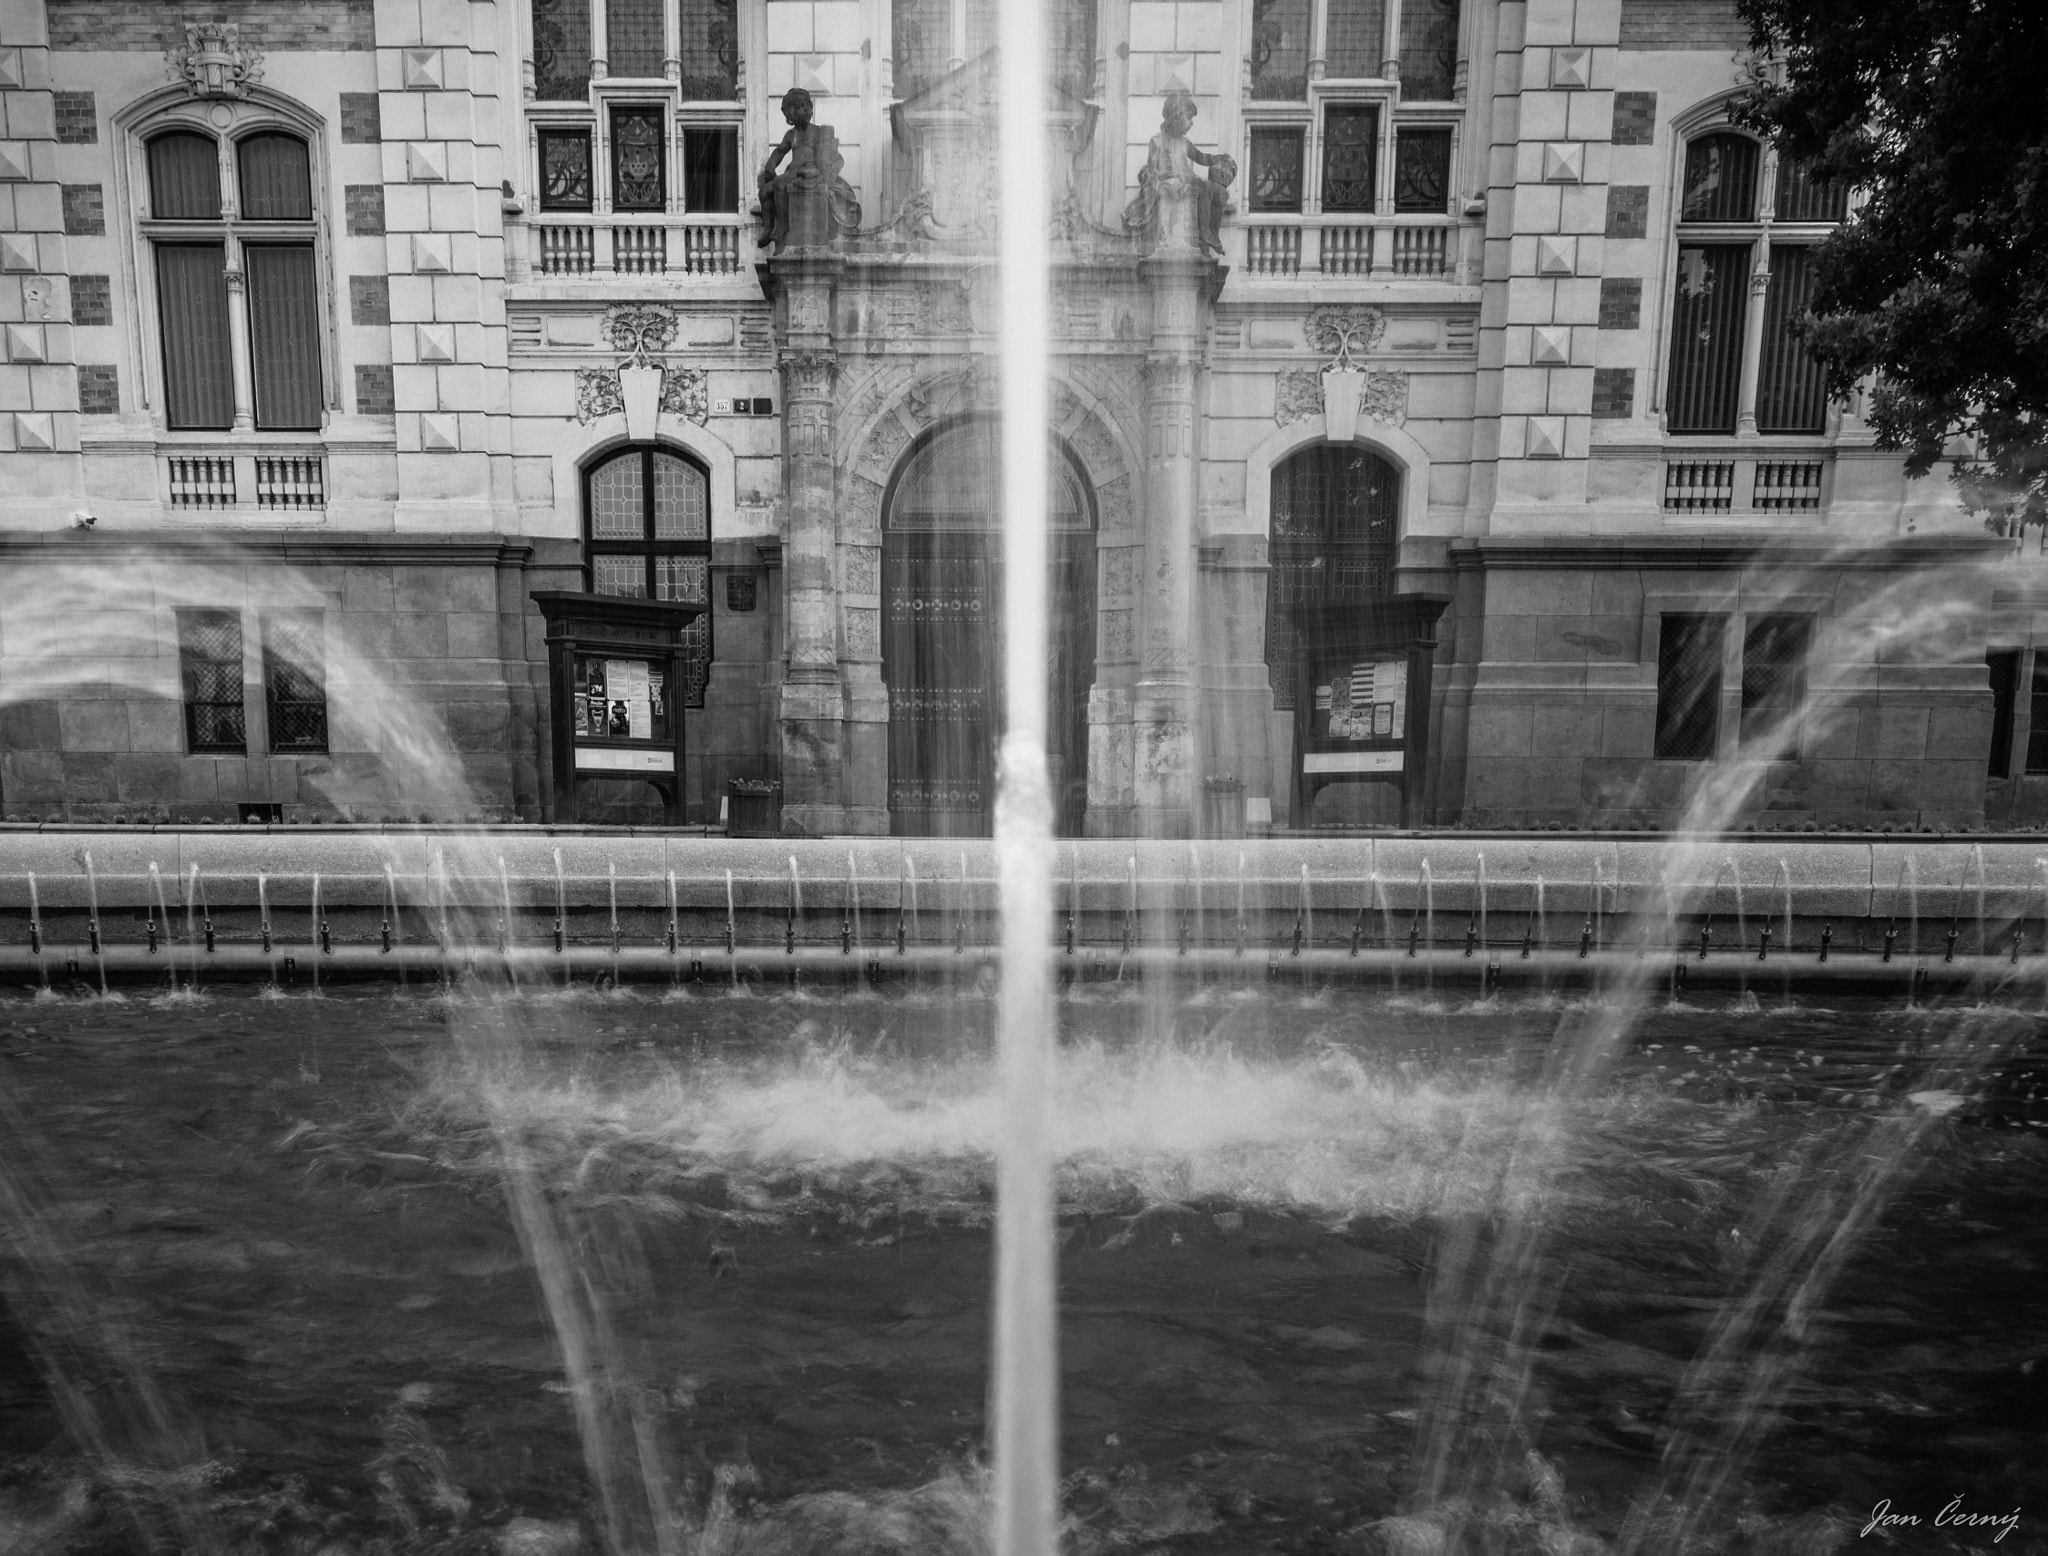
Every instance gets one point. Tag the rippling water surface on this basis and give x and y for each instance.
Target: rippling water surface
(281, 1225)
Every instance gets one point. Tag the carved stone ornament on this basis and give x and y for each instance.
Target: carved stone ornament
(1385, 398)
(686, 393)
(975, 387)
(213, 63)
(597, 394)
(641, 335)
(1344, 334)
(1297, 395)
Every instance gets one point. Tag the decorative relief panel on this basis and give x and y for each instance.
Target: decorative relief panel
(684, 393)
(885, 443)
(1297, 395)
(1116, 635)
(1119, 570)
(1343, 334)
(1113, 504)
(863, 504)
(863, 633)
(597, 394)
(1385, 398)
(861, 569)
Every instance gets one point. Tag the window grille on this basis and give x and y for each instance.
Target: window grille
(210, 669)
(295, 680)
(1699, 485)
(1688, 687)
(1774, 653)
(1720, 179)
(1788, 484)
(1791, 393)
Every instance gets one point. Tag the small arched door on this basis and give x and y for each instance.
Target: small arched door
(942, 647)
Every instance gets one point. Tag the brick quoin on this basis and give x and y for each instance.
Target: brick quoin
(374, 393)
(1635, 118)
(151, 26)
(92, 300)
(77, 115)
(369, 299)
(365, 206)
(1614, 393)
(85, 210)
(1702, 26)
(99, 389)
(360, 122)
(1628, 210)
(1621, 302)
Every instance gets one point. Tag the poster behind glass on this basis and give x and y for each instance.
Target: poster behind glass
(620, 699)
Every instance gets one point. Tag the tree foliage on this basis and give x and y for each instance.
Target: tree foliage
(1937, 111)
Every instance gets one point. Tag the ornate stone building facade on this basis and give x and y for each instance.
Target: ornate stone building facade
(361, 320)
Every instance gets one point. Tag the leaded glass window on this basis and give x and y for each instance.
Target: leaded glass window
(1354, 41)
(561, 50)
(639, 181)
(1429, 50)
(711, 49)
(1334, 519)
(1276, 168)
(565, 170)
(184, 177)
(1422, 171)
(1280, 49)
(648, 526)
(633, 40)
(1350, 150)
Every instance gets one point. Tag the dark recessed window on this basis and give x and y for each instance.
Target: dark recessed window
(1429, 50)
(295, 680)
(1774, 650)
(1355, 40)
(639, 157)
(2004, 664)
(1720, 179)
(1275, 183)
(1334, 521)
(633, 42)
(1688, 687)
(711, 49)
(711, 169)
(210, 668)
(561, 50)
(565, 170)
(1280, 49)
(1351, 133)
(1422, 171)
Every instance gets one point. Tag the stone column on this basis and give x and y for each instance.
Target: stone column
(813, 761)
(1164, 705)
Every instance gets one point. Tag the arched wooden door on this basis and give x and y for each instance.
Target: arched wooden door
(942, 646)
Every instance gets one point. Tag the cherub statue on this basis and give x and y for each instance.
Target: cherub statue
(1169, 173)
(808, 198)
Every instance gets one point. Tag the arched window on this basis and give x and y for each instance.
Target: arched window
(1335, 514)
(203, 247)
(1737, 361)
(647, 533)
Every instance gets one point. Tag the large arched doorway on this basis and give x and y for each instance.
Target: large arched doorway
(942, 645)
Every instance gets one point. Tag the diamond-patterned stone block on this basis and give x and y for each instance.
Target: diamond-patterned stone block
(1550, 345)
(13, 161)
(1571, 69)
(1564, 162)
(430, 253)
(440, 434)
(1556, 256)
(435, 342)
(423, 70)
(17, 251)
(25, 343)
(426, 161)
(1546, 437)
(35, 432)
